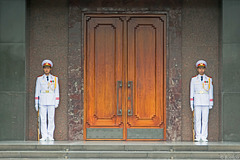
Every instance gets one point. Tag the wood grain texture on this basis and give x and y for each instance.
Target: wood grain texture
(125, 48)
(146, 70)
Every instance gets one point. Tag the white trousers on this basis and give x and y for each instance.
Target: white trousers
(47, 114)
(201, 121)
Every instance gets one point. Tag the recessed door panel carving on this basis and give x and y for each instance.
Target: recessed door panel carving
(146, 70)
(125, 77)
(104, 69)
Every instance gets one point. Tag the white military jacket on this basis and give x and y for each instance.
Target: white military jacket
(47, 92)
(201, 92)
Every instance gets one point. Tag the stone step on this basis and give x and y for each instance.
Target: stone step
(139, 147)
(85, 159)
(117, 150)
(122, 154)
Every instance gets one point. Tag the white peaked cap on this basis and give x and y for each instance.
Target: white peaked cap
(201, 63)
(47, 62)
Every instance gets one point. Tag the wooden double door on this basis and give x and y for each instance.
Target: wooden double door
(125, 77)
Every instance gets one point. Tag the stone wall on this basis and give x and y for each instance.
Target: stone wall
(48, 39)
(230, 70)
(75, 72)
(200, 40)
(55, 29)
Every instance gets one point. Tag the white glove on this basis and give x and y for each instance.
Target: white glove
(36, 107)
(210, 107)
(56, 106)
(192, 108)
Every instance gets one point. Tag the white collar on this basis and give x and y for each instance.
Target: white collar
(201, 75)
(46, 75)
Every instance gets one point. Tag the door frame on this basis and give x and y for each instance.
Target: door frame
(84, 43)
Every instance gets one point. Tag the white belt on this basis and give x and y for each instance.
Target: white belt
(201, 92)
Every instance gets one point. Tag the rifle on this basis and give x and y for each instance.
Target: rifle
(39, 124)
(38, 127)
(193, 126)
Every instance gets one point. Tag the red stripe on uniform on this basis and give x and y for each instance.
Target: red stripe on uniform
(211, 99)
(57, 98)
(36, 98)
(191, 99)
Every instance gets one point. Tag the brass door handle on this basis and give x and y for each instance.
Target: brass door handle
(119, 85)
(130, 85)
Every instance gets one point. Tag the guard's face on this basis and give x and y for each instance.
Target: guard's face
(46, 69)
(201, 70)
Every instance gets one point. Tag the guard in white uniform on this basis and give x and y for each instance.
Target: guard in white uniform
(201, 100)
(46, 100)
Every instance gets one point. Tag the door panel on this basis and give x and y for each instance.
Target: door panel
(146, 71)
(125, 77)
(104, 69)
